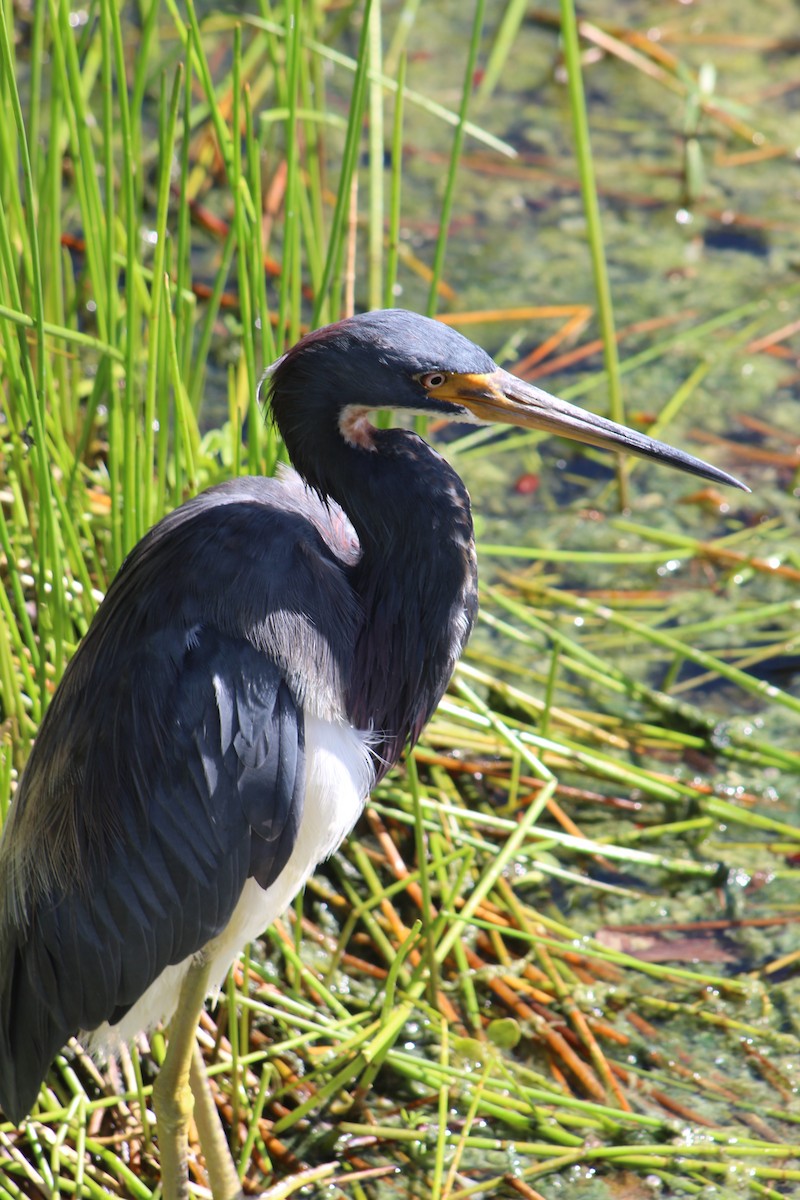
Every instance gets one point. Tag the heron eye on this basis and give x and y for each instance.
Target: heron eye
(433, 379)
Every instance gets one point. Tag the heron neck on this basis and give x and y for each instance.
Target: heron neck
(417, 583)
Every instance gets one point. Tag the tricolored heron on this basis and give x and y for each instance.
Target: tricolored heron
(259, 662)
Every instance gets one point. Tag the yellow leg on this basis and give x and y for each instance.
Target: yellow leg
(182, 1089)
(172, 1095)
(222, 1177)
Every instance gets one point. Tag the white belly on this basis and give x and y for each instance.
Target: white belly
(339, 777)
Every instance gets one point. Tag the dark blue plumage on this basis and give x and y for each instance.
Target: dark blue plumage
(169, 767)
(170, 804)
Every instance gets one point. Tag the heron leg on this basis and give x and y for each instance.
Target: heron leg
(172, 1094)
(222, 1177)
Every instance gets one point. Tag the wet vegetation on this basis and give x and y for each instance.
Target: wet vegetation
(559, 955)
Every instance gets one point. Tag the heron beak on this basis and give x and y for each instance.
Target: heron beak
(501, 397)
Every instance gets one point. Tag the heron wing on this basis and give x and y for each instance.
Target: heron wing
(169, 769)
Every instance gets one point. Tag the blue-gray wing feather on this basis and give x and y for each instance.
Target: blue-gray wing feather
(169, 768)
